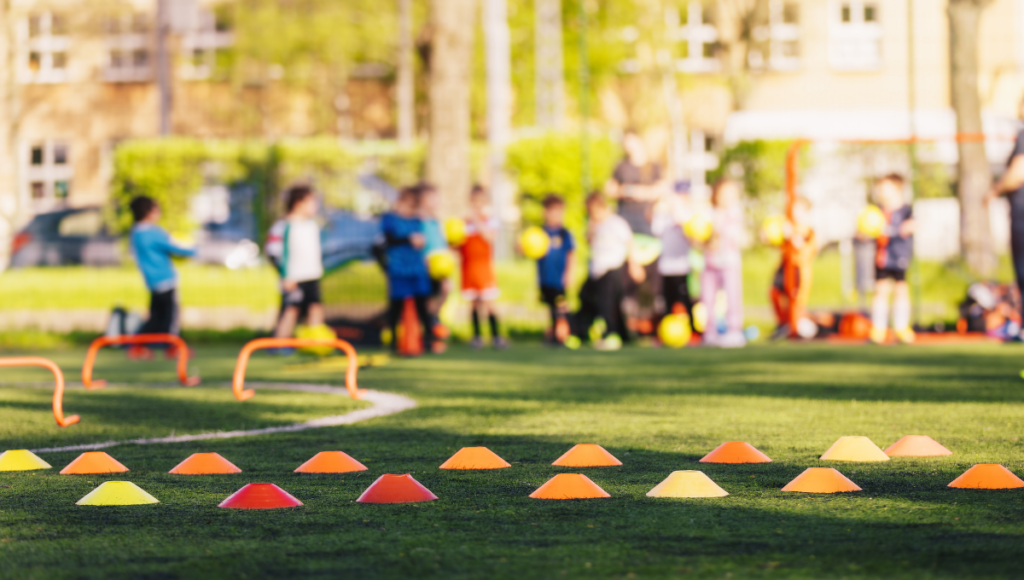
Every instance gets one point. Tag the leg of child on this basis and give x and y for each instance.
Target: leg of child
(588, 310)
(732, 282)
(880, 308)
(710, 281)
(492, 318)
(901, 306)
(426, 321)
(475, 313)
(286, 325)
(315, 314)
(395, 306)
(609, 298)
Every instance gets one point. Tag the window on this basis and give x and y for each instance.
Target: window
(855, 36)
(128, 48)
(43, 38)
(780, 38)
(201, 42)
(49, 173)
(699, 39)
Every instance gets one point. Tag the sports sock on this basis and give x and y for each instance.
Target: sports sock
(880, 314)
(476, 323)
(494, 325)
(901, 314)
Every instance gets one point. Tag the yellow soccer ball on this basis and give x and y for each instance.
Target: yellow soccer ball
(674, 330)
(455, 231)
(698, 228)
(441, 265)
(871, 222)
(534, 242)
(774, 229)
(322, 332)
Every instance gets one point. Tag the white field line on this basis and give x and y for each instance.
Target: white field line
(382, 404)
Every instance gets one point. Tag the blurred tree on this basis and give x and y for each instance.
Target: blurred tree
(312, 47)
(975, 175)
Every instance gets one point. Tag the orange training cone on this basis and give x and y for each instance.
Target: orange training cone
(205, 464)
(410, 341)
(736, 452)
(587, 455)
(331, 462)
(475, 458)
(396, 489)
(916, 446)
(854, 448)
(988, 476)
(93, 462)
(569, 486)
(260, 496)
(821, 480)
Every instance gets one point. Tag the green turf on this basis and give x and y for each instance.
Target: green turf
(656, 410)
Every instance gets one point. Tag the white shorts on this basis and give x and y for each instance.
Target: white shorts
(486, 294)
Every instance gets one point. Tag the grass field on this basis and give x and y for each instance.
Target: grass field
(656, 410)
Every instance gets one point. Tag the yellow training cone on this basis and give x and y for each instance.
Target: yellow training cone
(117, 493)
(21, 460)
(687, 484)
(854, 449)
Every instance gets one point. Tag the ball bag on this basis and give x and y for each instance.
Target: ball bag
(455, 231)
(534, 242)
(674, 330)
(774, 229)
(871, 222)
(441, 265)
(319, 332)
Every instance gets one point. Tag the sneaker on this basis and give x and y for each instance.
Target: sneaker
(906, 335)
(477, 343)
(572, 342)
(139, 352)
(562, 330)
(878, 335)
(281, 351)
(781, 332)
(732, 339)
(611, 342)
(439, 347)
(501, 343)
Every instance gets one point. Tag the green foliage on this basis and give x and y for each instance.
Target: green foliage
(552, 163)
(759, 164)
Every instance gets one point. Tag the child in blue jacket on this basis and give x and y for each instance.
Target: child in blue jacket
(406, 268)
(152, 249)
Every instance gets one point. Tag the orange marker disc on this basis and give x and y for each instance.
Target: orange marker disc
(821, 480)
(988, 476)
(569, 486)
(205, 464)
(736, 452)
(475, 458)
(331, 462)
(93, 462)
(587, 455)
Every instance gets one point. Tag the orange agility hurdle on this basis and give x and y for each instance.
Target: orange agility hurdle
(58, 390)
(94, 348)
(238, 381)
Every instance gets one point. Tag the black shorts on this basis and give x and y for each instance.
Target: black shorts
(307, 294)
(552, 296)
(890, 274)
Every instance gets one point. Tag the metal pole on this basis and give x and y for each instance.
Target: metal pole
(584, 79)
(915, 273)
(163, 65)
(499, 113)
(405, 89)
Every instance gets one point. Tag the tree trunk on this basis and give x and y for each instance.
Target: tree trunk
(10, 191)
(405, 89)
(451, 54)
(975, 174)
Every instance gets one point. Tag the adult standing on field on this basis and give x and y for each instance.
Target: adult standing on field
(1011, 184)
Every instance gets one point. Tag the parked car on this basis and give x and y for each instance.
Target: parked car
(66, 237)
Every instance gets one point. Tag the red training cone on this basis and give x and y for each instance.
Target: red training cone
(260, 496)
(331, 462)
(391, 488)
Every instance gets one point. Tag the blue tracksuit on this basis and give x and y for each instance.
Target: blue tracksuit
(152, 249)
(407, 271)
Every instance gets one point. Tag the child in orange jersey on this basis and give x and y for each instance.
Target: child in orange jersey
(479, 283)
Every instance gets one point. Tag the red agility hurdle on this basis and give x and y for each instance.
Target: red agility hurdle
(94, 348)
(58, 390)
(238, 382)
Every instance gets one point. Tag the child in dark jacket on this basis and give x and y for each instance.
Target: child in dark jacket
(406, 269)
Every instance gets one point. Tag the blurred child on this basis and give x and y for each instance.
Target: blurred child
(611, 245)
(798, 249)
(300, 261)
(152, 249)
(479, 283)
(895, 251)
(435, 241)
(406, 269)
(670, 213)
(554, 270)
(724, 266)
